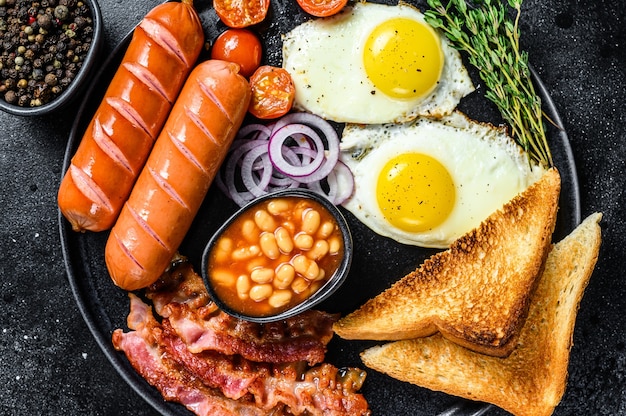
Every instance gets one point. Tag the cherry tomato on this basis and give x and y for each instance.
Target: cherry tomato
(322, 8)
(240, 46)
(272, 92)
(241, 13)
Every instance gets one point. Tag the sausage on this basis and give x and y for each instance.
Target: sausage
(177, 175)
(164, 48)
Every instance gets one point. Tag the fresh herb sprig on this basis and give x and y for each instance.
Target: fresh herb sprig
(485, 30)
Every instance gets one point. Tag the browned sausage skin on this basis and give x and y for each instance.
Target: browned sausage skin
(177, 175)
(163, 50)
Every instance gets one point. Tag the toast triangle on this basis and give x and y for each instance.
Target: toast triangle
(529, 382)
(475, 293)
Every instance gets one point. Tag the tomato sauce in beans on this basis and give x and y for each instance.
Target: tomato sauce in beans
(275, 255)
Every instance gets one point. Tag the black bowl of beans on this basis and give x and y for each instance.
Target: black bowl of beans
(48, 52)
(278, 256)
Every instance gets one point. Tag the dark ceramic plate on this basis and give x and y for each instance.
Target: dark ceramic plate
(377, 263)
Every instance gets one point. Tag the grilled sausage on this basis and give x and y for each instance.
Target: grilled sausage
(163, 50)
(177, 175)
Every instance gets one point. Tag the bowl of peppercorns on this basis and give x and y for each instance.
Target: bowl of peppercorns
(48, 52)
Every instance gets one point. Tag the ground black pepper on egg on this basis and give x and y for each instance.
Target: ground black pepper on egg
(43, 45)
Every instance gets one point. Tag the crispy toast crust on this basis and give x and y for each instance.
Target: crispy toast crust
(532, 380)
(476, 293)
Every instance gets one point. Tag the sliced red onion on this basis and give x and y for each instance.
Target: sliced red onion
(277, 142)
(300, 118)
(332, 141)
(254, 131)
(256, 187)
(337, 187)
(288, 153)
(240, 148)
(280, 180)
(343, 181)
(331, 159)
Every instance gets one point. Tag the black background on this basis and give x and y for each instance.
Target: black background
(49, 362)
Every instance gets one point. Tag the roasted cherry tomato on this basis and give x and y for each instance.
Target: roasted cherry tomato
(241, 13)
(272, 92)
(322, 8)
(240, 46)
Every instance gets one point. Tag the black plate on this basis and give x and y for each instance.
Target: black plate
(378, 261)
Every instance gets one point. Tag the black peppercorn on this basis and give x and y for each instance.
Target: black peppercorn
(38, 74)
(44, 21)
(80, 22)
(68, 3)
(22, 15)
(10, 97)
(23, 100)
(50, 79)
(42, 46)
(26, 69)
(61, 12)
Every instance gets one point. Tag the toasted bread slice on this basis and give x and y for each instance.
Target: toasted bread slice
(476, 293)
(531, 381)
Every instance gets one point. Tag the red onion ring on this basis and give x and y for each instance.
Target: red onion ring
(339, 182)
(257, 130)
(247, 170)
(242, 146)
(277, 141)
(299, 149)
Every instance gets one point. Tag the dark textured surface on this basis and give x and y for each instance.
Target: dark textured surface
(49, 362)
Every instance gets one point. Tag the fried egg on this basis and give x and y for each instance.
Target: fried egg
(428, 182)
(374, 63)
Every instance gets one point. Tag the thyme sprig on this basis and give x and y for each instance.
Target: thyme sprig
(485, 30)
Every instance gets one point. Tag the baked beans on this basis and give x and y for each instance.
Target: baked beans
(275, 255)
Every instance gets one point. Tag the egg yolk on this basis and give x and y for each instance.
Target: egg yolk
(415, 192)
(403, 58)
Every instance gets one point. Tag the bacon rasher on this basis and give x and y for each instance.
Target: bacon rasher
(218, 381)
(202, 326)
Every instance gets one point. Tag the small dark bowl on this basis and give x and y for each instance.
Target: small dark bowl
(329, 287)
(78, 84)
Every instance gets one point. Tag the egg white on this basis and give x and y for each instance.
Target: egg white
(487, 167)
(324, 58)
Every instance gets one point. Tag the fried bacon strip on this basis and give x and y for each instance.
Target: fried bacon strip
(161, 371)
(219, 382)
(322, 390)
(181, 297)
